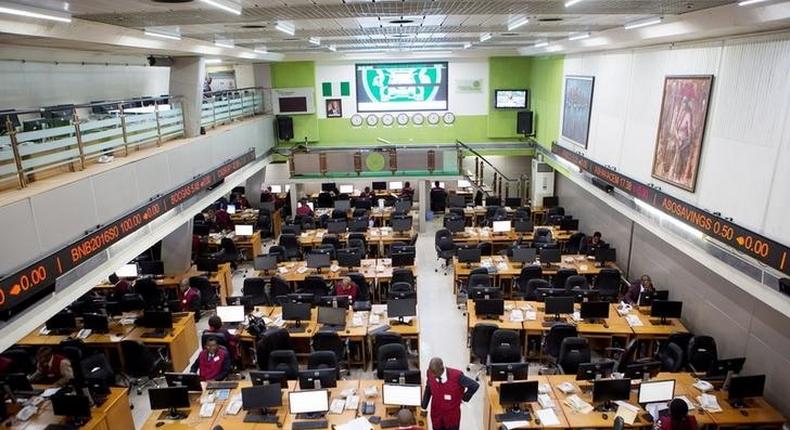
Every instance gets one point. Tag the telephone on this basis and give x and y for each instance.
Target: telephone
(233, 407)
(368, 408)
(576, 403)
(25, 413)
(207, 410)
(703, 385)
(84, 333)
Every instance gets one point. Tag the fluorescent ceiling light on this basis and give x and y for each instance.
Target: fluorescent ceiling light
(542, 44)
(224, 5)
(213, 61)
(485, 36)
(664, 218)
(467, 45)
(314, 41)
(261, 50)
(333, 48)
(517, 23)
(224, 43)
(579, 36)
(33, 12)
(748, 2)
(644, 23)
(554, 48)
(285, 28)
(570, 3)
(162, 35)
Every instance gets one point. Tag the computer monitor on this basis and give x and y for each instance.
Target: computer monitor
(463, 183)
(342, 205)
(456, 201)
(646, 297)
(594, 310)
(231, 314)
(524, 255)
(359, 224)
(402, 259)
(346, 189)
(569, 225)
(62, 322)
(308, 401)
(95, 322)
(336, 226)
(332, 316)
(172, 398)
(266, 377)
(558, 305)
(189, 380)
(265, 262)
(513, 202)
(379, 186)
(666, 309)
(243, 230)
(296, 312)
(643, 370)
(318, 260)
(207, 264)
(276, 189)
(550, 202)
(509, 371)
(489, 307)
(127, 271)
(259, 398)
(501, 226)
(328, 186)
(609, 390)
(455, 225)
(230, 209)
(469, 255)
(395, 185)
(247, 302)
(312, 379)
(656, 391)
(742, 387)
(413, 376)
(515, 393)
(523, 226)
(550, 255)
(157, 320)
(401, 395)
(605, 254)
(721, 368)
(401, 224)
(152, 268)
(597, 370)
(17, 382)
(71, 405)
(401, 308)
(348, 258)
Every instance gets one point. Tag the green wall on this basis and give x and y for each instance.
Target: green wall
(505, 73)
(545, 83)
(297, 74)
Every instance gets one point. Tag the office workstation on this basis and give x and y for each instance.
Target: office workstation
(357, 215)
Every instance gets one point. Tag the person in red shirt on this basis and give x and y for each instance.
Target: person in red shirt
(407, 192)
(120, 286)
(52, 368)
(215, 326)
(445, 389)
(213, 363)
(303, 209)
(223, 219)
(678, 418)
(190, 301)
(406, 420)
(346, 287)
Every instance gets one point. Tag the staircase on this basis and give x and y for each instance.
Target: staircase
(487, 178)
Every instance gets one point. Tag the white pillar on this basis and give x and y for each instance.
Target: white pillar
(177, 249)
(186, 80)
(252, 188)
(422, 197)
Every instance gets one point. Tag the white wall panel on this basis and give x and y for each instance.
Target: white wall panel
(116, 193)
(153, 176)
(18, 236)
(609, 100)
(64, 213)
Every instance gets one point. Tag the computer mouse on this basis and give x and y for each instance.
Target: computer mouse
(160, 423)
(647, 417)
(309, 330)
(348, 331)
(605, 416)
(537, 421)
(605, 325)
(744, 413)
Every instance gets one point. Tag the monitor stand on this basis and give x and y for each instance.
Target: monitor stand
(401, 321)
(607, 406)
(661, 321)
(296, 328)
(262, 415)
(514, 413)
(172, 414)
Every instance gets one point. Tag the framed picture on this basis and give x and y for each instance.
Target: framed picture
(334, 108)
(576, 109)
(681, 128)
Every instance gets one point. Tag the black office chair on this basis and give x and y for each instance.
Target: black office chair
(573, 351)
(325, 200)
(282, 360)
(619, 423)
(229, 253)
(391, 356)
(401, 290)
(486, 248)
(543, 236)
(682, 340)
(385, 338)
(557, 210)
(402, 275)
(574, 243)
(141, 364)
(279, 251)
(701, 353)
(331, 239)
(96, 367)
(671, 358)
(273, 339)
(529, 272)
(480, 293)
(278, 287)
(624, 356)
(315, 285)
(264, 224)
(323, 360)
(330, 341)
(558, 280)
(480, 342)
(363, 302)
(255, 288)
(325, 248)
(529, 292)
(608, 284)
(290, 229)
(481, 280)
(522, 213)
(150, 292)
(208, 293)
(291, 246)
(22, 361)
(576, 282)
(445, 248)
(361, 237)
(505, 347)
(362, 203)
(438, 199)
(553, 339)
(134, 301)
(213, 335)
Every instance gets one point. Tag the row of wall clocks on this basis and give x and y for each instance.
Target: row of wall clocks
(402, 119)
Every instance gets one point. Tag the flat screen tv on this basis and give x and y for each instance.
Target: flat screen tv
(511, 99)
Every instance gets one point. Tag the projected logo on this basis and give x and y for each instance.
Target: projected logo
(399, 87)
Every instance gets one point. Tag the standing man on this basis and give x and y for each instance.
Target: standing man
(448, 387)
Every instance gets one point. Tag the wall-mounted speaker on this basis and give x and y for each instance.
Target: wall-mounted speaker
(285, 128)
(602, 185)
(524, 123)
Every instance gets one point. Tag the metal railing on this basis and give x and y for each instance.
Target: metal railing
(73, 135)
(500, 184)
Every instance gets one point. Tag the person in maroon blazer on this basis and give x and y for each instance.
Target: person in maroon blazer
(213, 363)
(445, 389)
(645, 284)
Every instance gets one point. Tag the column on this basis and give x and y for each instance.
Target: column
(252, 188)
(424, 201)
(177, 250)
(186, 80)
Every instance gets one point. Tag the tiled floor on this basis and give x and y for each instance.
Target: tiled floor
(442, 334)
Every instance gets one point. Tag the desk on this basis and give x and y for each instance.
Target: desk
(592, 419)
(181, 342)
(250, 244)
(220, 279)
(475, 235)
(113, 414)
(193, 420)
(377, 238)
(492, 407)
(231, 422)
(382, 411)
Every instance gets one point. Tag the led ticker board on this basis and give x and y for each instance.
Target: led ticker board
(22, 285)
(761, 248)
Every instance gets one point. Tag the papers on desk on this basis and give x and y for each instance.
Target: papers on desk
(516, 315)
(282, 270)
(633, 320)
(334, 267)
(302, 269)
(515, 424)
(654, 409)
(352, 403)
(623, 309)
(548, 417)
(626, 411)
(530, 316)
(545, 401)
(359, 319)
(337, 407)
(576, 316)
(406, 320)
(127, 321)
(378, 309)
(709, 403)
(544, 388)
(49, 392)
(360, 423)
(567, 387)
(577, 404)
(501, 266)
(44, 331)
(371, 391)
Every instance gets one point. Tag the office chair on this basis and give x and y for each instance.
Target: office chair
(282, 360)
(671, 357)
(573, 246)
(315, 285)
(486, 248)
(403, 275)
(576, 282)
(479, 343)
(291, 246)
(505, 347)
(325, 248)
(701, 353)
(527, 292)
(438, 199)
(141, 364)
(401, 290)
(264, 223)
(682, 340)
(491, 212)
(339, 214)
(363, 302)
(542, 238)
(332, 342)
(229, 253)
(290, 229)
(96, 367)
(522, 213)
(279, 251)
(558, 280)
(360, 213)
(214, 335)
(479, 280)
(278, 287)
(361, 237)
(362, 203)
(323, 360)
(455, 213)
(573, 351)
(325, 200)
(151, 294)
(22, 361)
(208, 293)
(624, 356)
(385, 338)
(445, 248)
(331, 239)
(608, 284)
(255, 288)
(359, 246)
(557, 210)
(619, 423)
(391, 356)
(553, 339)
(272, 339)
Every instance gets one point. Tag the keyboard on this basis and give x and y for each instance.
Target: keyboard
(389, 423)
(155, 334)
(303, 425)
(299, 329)
(26, 394)
(513, 416)
(333, 328)
(222, 385)
(262, 419)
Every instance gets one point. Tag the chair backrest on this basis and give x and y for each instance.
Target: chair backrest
(481, 340)
(363, 289)
(478, 280)
(322, 360)
(288, 241)
(278, 287)
(255, 287)
(21, 361)
(557, 210)
(138, 359)
(543, 235)
(228, 246)
(401, 290)
(608, 281)
(627, 356)
(315, 283)
(218, 336)
(701, 352)
(282, 360)
(576, 282)
(391, 356)
(385, 338)
(505, 347)
(619, 423)
(328, 341)
(486, 248)
(528, 293)
(402, 275)
(682, 340)
(97, 367)
(555, 336)
(530, 272)
(271, 340)
(671, 358)
(573, 351)
(558, 280)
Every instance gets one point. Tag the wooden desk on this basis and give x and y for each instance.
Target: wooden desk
(381, 410)
(250, 244)
(193, 420)
(333, 419)
(113, 414)
(220, 279)
(231, 422)
(181, 342)
(593, 419)
(493, 408)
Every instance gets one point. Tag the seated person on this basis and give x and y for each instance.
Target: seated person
(438, 198)
(213, 363)
(589, 245)
(151, 293)
(241, 202)
(346, 287)
(406, 420)
(266, 195)
(644, 284)
(215, 326)
(52, 368)
(407, 192)
(120, 286)
(678, 418)
(223, 220)
(368, 194)
(190, 300)
(304, 210)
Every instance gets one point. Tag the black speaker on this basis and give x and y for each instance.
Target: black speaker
(285, 128)
(784, 286)
(602, 185)
(524, 123)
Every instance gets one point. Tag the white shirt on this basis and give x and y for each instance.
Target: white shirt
(443, 377)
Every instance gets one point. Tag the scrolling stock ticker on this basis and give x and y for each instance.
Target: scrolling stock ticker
(18, 287)
(760, 248)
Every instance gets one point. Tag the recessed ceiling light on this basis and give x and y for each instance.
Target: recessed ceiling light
(33, 12)
(163, 35)
(570, 3)
(286, 28)
(224, 43)
(485, 36)
(252, 26)
(332, 48)
(554, 48)
(467, 45)
(261, 50)
(554, 19)
(579, 36)
(510, 34)
(512, 25)
(225, 5)
(213, 61)
(401, 21)
(542, 44)
(644, 22)
(314, 41)
(748, 2)
(401, 36)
